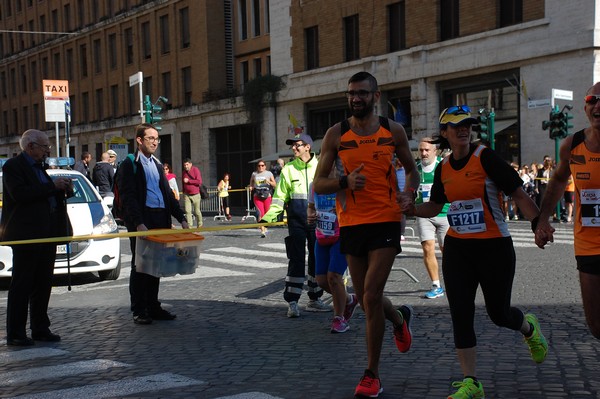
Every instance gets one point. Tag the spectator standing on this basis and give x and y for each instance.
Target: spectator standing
(543, 177)
(223, 189)
(569, 197)
(34, 206)
(436, 226)
(401, 180)
(509, 203)
(104, 175)
(276, 167)
(580, 158)
(192, 180)
(471, 179)
(362, 148)
(112, 159)
(172, 179)
(262, 183)
(148, 203)
(83, 165)
(528, 181)
(292, 193)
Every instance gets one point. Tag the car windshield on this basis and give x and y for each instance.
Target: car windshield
(82, 190)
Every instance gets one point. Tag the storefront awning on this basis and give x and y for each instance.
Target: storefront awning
(503, 124)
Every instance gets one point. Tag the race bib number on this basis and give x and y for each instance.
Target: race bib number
(466, 216)
(425, 189)
(326, 222)
(590, 207)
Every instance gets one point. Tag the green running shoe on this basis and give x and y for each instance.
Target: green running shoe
(467, 389)
(538, 346)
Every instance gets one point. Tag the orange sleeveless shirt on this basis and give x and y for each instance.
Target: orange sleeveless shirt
(475, 201)
(376, 203)
(585, 168)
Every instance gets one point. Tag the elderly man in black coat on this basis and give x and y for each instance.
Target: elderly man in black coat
(34, 206)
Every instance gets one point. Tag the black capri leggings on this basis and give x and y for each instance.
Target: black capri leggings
(468, 263)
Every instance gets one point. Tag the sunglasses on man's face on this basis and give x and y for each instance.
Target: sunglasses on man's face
(592, 99)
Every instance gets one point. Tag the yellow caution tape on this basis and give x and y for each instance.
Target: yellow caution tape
(157, 232)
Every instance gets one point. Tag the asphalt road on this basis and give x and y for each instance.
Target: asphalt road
(232, 338)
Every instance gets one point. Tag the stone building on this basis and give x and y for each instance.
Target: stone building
(202, 55)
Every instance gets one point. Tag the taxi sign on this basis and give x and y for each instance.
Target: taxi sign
(56, 95)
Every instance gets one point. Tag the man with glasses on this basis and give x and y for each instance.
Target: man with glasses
(148, 203)
(291, 193)
(192, 180)
(112, 159)
(34, 206)
(362, 148)
(580, 157)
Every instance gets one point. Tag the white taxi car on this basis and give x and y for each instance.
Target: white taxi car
(89, 215)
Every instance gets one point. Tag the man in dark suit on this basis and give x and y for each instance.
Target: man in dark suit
(148, 203)
(83, 166)
(33, 207)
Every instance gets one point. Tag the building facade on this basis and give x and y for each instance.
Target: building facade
(490, 54)
(505, 55)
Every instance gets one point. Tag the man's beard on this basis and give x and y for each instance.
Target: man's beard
(426, 161)
(364, 112)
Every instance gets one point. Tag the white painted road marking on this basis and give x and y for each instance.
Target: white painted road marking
(58, 371)
(232, 260)
(118, 389)
(250, 395)
(248, 252)
(28, 354)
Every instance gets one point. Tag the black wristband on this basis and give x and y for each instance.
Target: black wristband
(534, 223)
(344, 182)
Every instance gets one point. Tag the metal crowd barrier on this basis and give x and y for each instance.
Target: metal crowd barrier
(213, 204)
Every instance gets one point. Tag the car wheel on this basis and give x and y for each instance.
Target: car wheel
(111, 274)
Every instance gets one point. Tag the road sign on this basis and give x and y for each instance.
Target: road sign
(562, 94)
(56, 94)
(136, 78)
(538, 103)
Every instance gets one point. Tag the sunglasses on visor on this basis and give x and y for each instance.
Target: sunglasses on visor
(456, 110)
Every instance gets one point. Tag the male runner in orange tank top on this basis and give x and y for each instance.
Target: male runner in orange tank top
(362, 148)
(580, 156)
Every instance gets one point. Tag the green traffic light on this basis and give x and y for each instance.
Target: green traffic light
(545, 125)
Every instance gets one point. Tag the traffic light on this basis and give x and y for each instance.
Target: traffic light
(558, 124)
(147, 110)
(482, 128)
(568, 126)
(155, 118)
(152, 111)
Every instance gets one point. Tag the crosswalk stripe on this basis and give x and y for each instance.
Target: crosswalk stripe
(233, 260)
(419, 250)
(206, 272)
(28, 354)
(530, 235)
(250, 395)
(273, 245)
(118, 389)
(244, 251)
(61, 370)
